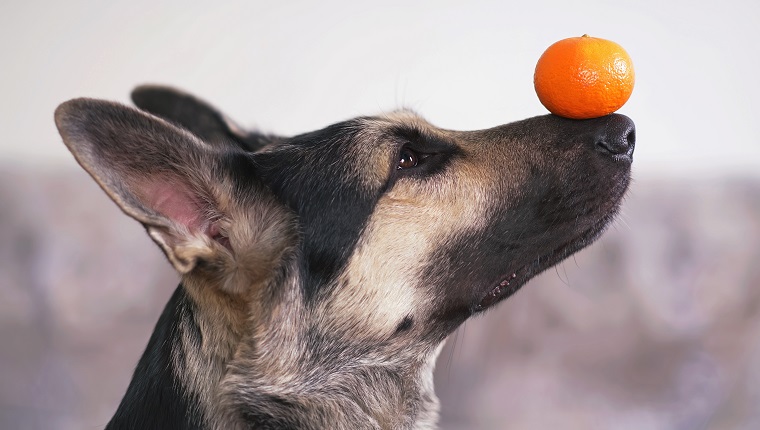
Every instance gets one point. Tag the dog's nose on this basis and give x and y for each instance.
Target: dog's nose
(615, 135)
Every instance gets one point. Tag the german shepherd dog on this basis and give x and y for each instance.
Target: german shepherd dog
(321, 273)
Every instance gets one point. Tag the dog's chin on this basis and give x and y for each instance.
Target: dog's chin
(510, 282)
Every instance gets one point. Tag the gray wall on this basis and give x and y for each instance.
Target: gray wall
(656, 326)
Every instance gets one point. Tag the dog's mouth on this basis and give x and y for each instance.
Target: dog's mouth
(510, 283)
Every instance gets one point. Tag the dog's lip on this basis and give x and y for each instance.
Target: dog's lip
(503, 289)
(514, 280)
(626, 158)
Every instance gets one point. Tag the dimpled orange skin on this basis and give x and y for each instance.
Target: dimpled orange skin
(584, 77)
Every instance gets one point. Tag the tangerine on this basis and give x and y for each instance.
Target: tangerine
(584, 77)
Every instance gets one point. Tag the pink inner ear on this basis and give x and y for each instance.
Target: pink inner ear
(175, 201)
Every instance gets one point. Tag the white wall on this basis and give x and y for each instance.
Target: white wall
(290, 67)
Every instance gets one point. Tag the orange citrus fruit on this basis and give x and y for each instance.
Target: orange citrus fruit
(584, 77)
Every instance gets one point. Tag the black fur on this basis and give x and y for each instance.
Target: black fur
(152, 400)
(331, 204)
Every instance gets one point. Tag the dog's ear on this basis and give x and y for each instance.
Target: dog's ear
(197, 116)
(163, 176)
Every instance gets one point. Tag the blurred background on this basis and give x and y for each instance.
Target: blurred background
(656, 326)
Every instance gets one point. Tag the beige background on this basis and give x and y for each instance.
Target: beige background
(654, 327)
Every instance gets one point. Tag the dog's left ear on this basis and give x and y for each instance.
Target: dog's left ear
(183, 191)
(197, 116)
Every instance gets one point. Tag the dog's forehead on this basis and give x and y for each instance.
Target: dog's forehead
(369, 155)
(403, 117)
(387, 128)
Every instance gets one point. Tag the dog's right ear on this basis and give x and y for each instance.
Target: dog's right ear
(197, 116)
(167, 179)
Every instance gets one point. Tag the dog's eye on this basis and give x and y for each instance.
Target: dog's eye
(407, 159)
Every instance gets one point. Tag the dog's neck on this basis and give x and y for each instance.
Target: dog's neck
(192, 376)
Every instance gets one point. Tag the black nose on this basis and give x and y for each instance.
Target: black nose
(616, 136)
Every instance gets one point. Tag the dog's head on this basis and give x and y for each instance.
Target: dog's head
(381, 233)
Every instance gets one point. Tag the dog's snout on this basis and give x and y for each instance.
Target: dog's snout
(615, 136)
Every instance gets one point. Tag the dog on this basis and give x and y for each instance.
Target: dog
(321, 273)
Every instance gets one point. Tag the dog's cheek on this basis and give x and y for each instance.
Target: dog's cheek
(383, 282)
(372, 294)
